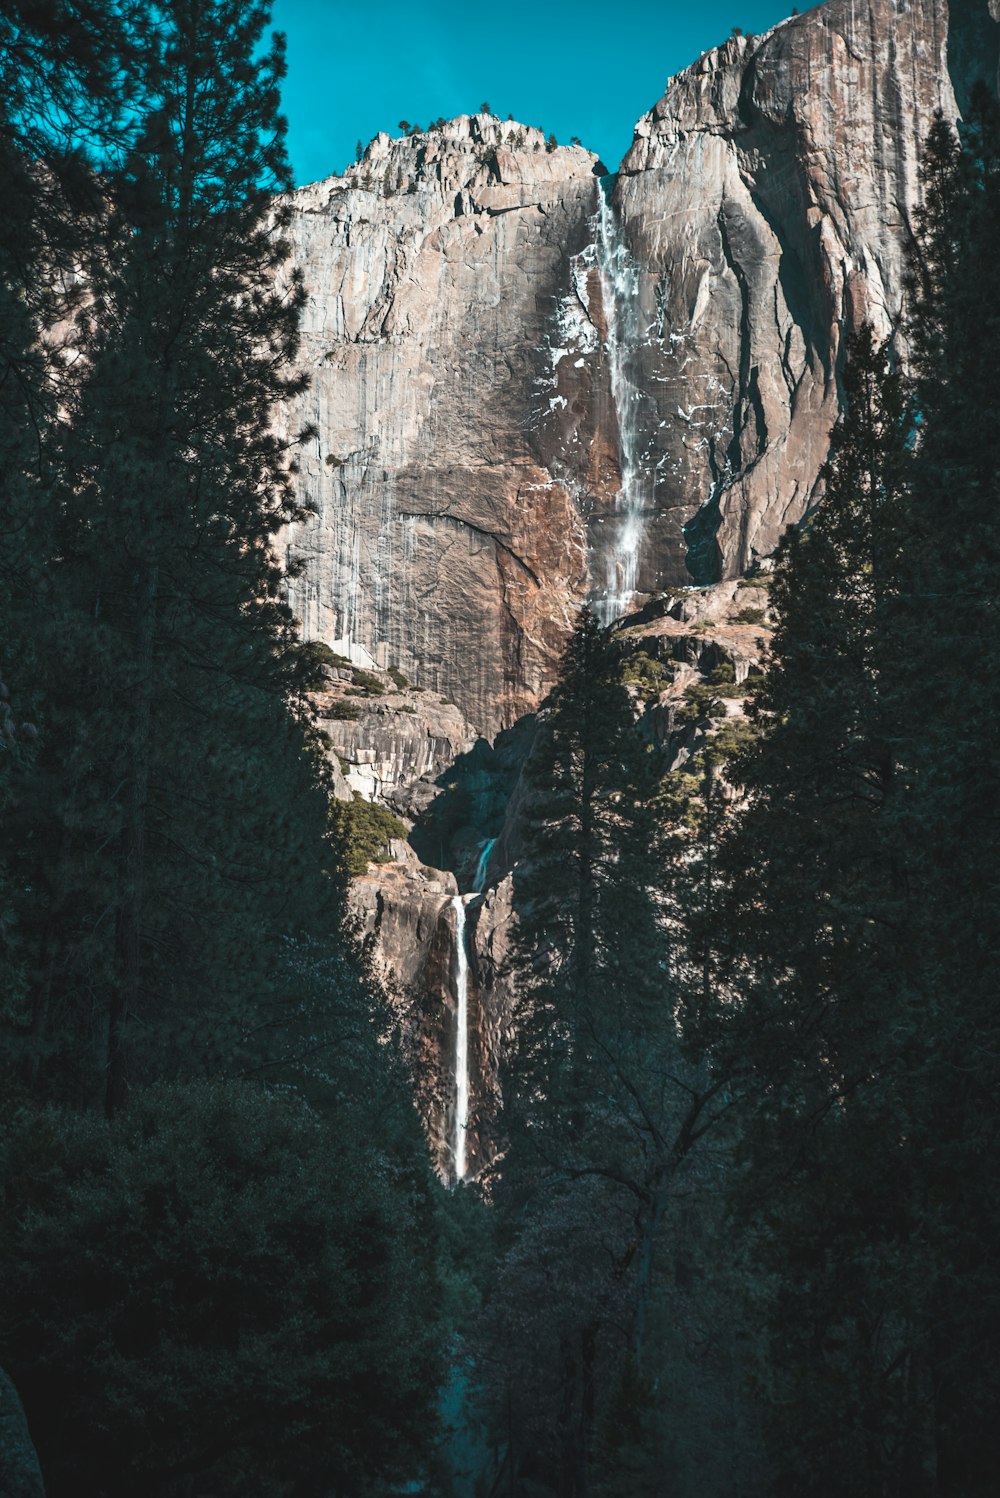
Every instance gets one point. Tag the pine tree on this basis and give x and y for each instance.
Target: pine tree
(66, 85)
(602, 1107)
(588, 939)
(177, 897)
(812, 918)
(212, 1290)
(949, 694)
(176, 808)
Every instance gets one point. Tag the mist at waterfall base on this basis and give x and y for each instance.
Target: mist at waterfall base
(349, 78)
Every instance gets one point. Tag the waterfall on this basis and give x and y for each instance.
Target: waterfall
(484, 858)
(461, 1037)
(619, 289)
(462, 1012)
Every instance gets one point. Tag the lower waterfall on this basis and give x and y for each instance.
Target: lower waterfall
(462, 1014)
(461, 1037)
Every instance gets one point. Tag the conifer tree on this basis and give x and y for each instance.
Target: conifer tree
(602, 1108)
(176, 810)
(211, 1290)
(65, 77)
(812, 950)
(177, 899)
(950, 708)
(587, 970)
(587, 933)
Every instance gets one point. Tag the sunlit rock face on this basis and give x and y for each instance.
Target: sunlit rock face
(768, 199)
(449, 539)
(524, 400)
(533, 385)
(393, 747)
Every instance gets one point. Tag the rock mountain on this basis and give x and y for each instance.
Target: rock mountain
(536, 383)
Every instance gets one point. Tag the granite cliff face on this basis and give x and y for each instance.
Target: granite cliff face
(768, 199)
(407, 907)
(409, 911)
(444, 542)
(535, 384)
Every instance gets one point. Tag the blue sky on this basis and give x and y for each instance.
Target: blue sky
(584, 68)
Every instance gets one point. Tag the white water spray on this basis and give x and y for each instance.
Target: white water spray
(620, 288)
(462, 1013)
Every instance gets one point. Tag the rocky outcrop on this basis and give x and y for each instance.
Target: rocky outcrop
(675, 643)
(387, 741)
(524, 398)
(768, 201)
(405, 909)
(445, 542)
(493, 927)
(408, 911)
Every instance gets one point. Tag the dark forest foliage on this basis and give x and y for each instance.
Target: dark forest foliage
(743, 1234)
(218, 1248)
(775, 1272)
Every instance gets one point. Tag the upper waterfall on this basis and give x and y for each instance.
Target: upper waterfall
(529, 390)
(620, 289)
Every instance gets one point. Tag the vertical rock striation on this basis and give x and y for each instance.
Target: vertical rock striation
(768, 199)
(449, 538)
(534, 384)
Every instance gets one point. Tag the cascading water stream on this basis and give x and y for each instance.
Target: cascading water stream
(619, 288)
(482, 865)
(461, 1037)
(462, 1014)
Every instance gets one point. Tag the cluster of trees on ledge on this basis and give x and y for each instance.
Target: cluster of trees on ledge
(743, 1237)
(514, 137)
